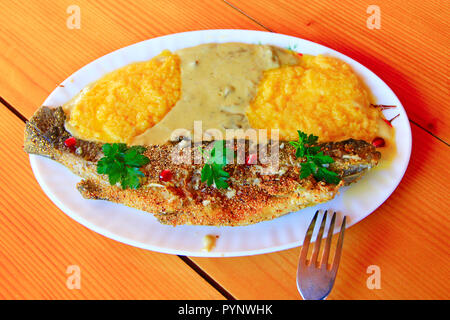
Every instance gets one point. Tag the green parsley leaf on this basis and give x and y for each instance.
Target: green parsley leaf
(307, 169)
(326, 175)
(320, 158)
(122, 164)
(292, 47)
(216, 159)
(134, 158)
(315, 159)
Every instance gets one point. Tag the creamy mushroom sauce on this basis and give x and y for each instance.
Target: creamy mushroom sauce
(218, 83)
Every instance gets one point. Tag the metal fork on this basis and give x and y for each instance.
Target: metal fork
(315, 279)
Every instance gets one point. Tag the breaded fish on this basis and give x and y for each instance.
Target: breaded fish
(256, 192)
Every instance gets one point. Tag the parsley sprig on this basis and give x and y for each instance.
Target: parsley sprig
(213, 172)
(122, 164)
(306, 147)
(292, 47)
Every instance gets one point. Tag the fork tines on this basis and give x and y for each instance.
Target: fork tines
(315, 259)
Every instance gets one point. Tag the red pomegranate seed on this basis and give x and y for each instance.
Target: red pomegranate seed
(300, 54)
(251, 159)
(165, 175)
(378, 142)
(70, 142)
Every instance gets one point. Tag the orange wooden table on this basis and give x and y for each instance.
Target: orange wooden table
(407, 237)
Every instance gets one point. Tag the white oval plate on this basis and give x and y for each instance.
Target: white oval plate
(142, 230)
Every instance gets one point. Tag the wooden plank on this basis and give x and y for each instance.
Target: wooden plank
(39, 51)
(38, 243)
(407, 238)
(409, 52)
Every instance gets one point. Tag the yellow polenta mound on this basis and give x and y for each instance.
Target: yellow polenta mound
(127, 101)
(322, 96)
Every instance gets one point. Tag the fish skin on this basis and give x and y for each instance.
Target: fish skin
(251, 198)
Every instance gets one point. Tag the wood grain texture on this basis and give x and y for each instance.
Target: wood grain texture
(407, 237)
(39, 51)
(38, 243)
(409, 52)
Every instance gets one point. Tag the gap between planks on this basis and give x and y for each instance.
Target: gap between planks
(270, 30)
(190, 263)
(24, 119)
(247, 16)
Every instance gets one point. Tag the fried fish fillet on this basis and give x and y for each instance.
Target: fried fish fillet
(256, 192)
